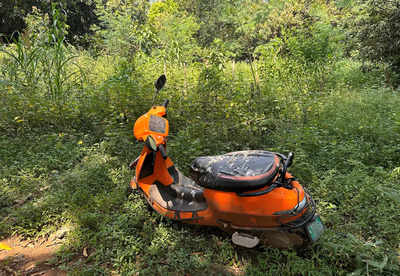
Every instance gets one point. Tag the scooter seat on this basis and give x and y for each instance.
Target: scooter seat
(236, 171)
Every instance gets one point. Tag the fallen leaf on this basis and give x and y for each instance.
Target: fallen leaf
(4, 246)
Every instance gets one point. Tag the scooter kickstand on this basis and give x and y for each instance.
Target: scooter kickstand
(245, 240)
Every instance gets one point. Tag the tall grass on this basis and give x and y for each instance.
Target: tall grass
(67, 116)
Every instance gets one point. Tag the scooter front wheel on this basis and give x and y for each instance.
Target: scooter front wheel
(284, 239)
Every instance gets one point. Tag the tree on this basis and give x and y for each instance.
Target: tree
(175, 32)
(79, 16)
(122, 28)
(377, 33)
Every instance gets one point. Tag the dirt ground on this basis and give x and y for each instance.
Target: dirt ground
(29, 257)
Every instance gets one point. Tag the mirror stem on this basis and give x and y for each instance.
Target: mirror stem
(154, 97)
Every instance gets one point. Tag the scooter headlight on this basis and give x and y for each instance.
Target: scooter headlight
(300, 206)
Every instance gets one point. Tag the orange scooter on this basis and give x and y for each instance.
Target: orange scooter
(248, 194)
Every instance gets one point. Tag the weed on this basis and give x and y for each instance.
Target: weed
(66, 118)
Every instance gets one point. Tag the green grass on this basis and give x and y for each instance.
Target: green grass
(80, 178)
(64, 159)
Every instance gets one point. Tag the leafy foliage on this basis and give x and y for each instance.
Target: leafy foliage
(79, 15)
(273, 76)
(123, 29)
(378, 35)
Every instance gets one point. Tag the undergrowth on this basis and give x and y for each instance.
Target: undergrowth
(66, 142)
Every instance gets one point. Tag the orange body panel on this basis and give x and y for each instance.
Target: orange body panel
(257, 211)
(237, 212)
(160, 169)
(142, 129)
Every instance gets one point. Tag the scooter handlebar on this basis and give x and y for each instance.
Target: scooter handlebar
(161, 148)
(289, 160)
(286, 165)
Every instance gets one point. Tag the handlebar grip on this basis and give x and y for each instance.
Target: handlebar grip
(165, 104)
(287, 164)
(163, 151)
(289, 160)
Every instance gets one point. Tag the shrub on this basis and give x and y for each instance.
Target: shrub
(377, 33)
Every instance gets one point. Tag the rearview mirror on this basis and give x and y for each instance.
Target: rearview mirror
(160, 82)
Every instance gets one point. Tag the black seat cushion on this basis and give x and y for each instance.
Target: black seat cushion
(236, 171)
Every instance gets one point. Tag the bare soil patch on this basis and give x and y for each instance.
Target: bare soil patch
(29, 257)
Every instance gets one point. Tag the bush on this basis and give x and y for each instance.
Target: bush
(66, 134)
(377, 33)
(79, 16)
